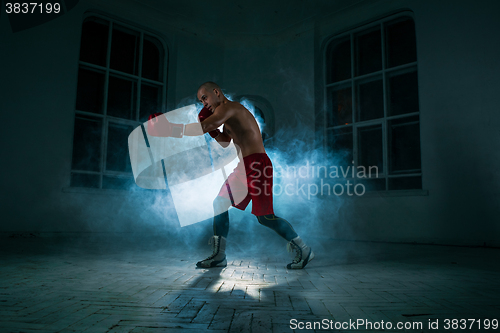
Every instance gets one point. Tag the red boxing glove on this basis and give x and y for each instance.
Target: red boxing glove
(204, 114)
(158, 125)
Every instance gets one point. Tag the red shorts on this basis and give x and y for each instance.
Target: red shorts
(258, 178)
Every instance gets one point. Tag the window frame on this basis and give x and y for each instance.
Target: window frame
(352, 83)
(108, 120)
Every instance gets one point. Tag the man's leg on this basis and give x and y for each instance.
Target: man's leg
(221, 216)
(278, 224)
(303, 253)
(221, 229)
(260, 182)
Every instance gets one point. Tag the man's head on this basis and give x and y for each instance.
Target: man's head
(210, 95)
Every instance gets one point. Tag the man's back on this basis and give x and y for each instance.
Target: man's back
(242, 127)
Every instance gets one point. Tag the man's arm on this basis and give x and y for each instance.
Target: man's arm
(219, 117)
(223, 139)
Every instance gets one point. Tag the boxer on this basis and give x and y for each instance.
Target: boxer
(240, 126)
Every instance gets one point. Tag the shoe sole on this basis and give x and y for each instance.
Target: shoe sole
(219, 263)
(310, 257)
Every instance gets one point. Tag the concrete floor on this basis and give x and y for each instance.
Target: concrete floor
(95, 286)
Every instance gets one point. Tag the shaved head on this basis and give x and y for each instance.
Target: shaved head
(211, 95)
(210, 86)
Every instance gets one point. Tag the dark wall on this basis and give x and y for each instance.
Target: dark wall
(458, 75)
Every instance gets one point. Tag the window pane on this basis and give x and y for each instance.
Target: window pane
(84, 180)
(87, 144)
(370, 147)
(403, 93)
(405, 183)
(94, 43)
(377, 184)
(150, 101)
(124, 50)
(368, 52)
(340, 108)
(340, 145)
(151, 59)
(401, 43)
(339, 60)
(118, 183)
(90, 91)
(117, 157)
(121, 97)
(370, 96)
(404, 143)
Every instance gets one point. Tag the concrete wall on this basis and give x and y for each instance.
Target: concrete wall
(458, 76)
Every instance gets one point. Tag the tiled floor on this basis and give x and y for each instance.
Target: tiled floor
(96, 287)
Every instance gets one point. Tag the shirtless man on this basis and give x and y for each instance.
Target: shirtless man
(241, 127)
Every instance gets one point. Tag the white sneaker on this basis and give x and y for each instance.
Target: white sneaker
(218, 257)
(303, 253)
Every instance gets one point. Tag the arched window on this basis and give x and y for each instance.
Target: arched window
(372, 118)
(121, 80)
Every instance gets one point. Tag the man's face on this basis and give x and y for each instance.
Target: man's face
(208, 98)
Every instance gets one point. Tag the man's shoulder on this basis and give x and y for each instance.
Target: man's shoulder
(233, 106)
